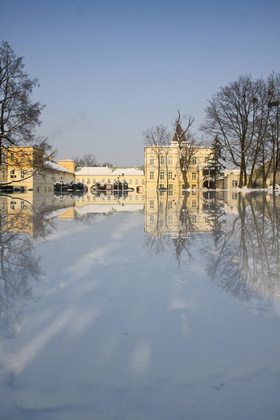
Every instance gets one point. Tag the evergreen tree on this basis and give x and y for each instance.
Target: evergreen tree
(215, 167)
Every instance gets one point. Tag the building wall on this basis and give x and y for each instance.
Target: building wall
(231, 179)
(19, 171)
(68, 164)
(90, 176)
(162, 168)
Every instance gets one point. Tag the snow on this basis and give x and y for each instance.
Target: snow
(108, 171)
(114, 331)
(55, 166)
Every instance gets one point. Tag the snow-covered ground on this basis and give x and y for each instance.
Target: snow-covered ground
(114, 332)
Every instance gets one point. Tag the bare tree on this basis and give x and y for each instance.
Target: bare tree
(186, 143)
(88, 159)
(158, 138)
(19, 116)
(238, 115)
(273, 84)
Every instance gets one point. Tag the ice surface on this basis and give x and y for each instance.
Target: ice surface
(116, 331)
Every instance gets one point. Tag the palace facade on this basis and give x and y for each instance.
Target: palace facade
(21, 170)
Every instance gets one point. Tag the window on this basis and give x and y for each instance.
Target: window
(170, 219)
(170, 204)
(162, 159)
(22, 174)
(193, 175)
(109, 181)
(13, 205)
(193, 218)
(152, 204)
(88, 181)
(152, 160)
(194, 160)
(170, 160)
(22, 205)
(161, 174)
(83, 181)
(194, 203)
(170, 174)
(234, 196)
(136, 181)
(234, 183)
(152, 175)
(12, 173)
(22, 158)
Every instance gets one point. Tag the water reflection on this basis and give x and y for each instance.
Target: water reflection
(240, 238)
(22, 221)
(122, 315)
(243, 258)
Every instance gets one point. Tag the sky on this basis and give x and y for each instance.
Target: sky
(111, 69)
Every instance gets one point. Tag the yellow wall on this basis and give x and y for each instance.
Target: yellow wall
(163, 162)
(68, 164)
(19, 171)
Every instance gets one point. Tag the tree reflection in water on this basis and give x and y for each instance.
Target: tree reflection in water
(18, 263)
(21, 222)
(244, 261)
(237, 235)
(240, 239)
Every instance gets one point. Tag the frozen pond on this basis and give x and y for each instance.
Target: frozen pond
(166, 309)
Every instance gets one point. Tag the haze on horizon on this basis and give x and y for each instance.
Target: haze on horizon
(111, 69)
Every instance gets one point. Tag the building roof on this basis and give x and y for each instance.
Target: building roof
(56, 167)
(100, 170)
(179, 131)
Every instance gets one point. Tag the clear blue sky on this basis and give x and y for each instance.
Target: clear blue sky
(110, 69)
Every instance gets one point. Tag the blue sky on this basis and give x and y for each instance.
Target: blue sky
(111, 69)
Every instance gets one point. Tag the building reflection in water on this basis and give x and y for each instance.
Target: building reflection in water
(237, 234)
